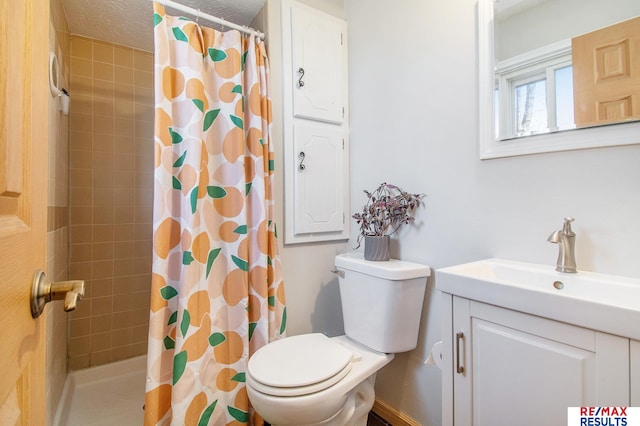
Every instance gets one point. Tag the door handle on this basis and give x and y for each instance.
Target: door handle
(44, 291)
(300, 82)
(459, 366)
(302, 156)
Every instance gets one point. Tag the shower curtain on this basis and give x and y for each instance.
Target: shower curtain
(217, 293)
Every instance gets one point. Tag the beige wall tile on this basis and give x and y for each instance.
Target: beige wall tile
(103, 251)
(100, 324)
(81, 271)
(123, 75)
(122, 337)
(81, 122)
(123, 56)
(122, 303)
(81, 197)
(80, 159)
(101, 357)
(81, 141)
(78, 362)
(124, 214)
(143, 78)
(81, 234)
(104, 125)
(123, 232)
(80, 86)
(101, 305)
(103, 107)
(79, 327)
(102, 287)
(103, 88)
(99, 342)
(103, 215)
(103, 51)
(104, 143)
(121, 320)
(125, 126)
(81, 178)
(121, 352)
(123, 197)
(79, 345)
(82, 67)
(81, 47)
(103, 71)
(102, 233)
(81, 252)
(143, 60)
(80, 215)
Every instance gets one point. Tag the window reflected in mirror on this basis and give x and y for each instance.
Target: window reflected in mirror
(537, 70)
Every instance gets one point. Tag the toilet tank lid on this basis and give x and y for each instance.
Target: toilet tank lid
(392, 269)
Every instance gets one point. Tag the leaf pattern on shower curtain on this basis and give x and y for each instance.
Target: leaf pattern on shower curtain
(217, 293)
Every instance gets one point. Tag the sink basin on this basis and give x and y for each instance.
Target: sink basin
(602, 302)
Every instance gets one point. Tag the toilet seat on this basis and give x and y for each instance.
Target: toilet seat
(299, 365)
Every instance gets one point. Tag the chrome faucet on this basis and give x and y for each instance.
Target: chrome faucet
(566, 240)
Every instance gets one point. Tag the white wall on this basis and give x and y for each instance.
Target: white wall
(313, 300)
(413, 106)
(547, 23)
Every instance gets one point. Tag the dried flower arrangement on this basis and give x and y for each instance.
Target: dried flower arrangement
(387, 208)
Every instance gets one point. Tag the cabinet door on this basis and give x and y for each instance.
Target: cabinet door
(319, 184)
(526, 370)
(318, 60)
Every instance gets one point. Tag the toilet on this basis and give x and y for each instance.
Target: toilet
(312, 379)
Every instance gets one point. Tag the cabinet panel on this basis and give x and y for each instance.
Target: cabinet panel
(517, 373)
(317, 61)
(319, 178)
(526, 370)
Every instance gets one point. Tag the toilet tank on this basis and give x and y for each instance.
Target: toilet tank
(381, 301)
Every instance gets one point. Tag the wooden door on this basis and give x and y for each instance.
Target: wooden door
(24, 93)
(606, 74)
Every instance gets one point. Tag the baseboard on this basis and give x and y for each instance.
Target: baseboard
(392, 415)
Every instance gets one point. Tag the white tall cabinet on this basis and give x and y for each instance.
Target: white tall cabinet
(504, 367)
(316, 124)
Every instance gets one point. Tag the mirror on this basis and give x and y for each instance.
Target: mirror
(512, 60)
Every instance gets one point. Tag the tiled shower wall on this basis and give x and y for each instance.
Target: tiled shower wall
(111, 195)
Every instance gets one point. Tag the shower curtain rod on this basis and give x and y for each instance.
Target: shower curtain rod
(215, 19)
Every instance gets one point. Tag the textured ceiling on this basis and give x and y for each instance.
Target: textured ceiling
(130, 22)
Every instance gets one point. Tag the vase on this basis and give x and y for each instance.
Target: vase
(376, 248)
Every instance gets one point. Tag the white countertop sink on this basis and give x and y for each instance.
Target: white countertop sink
(602, 302)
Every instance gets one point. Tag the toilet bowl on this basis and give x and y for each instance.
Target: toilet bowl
(311, 379)
(332, 386)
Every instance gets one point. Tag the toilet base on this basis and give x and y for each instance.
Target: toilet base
(355, 410)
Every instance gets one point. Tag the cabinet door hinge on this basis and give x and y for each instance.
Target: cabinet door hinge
(342, 143)
(342, 112)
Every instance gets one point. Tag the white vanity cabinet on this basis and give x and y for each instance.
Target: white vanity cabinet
(508, 367)
(315, 125)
